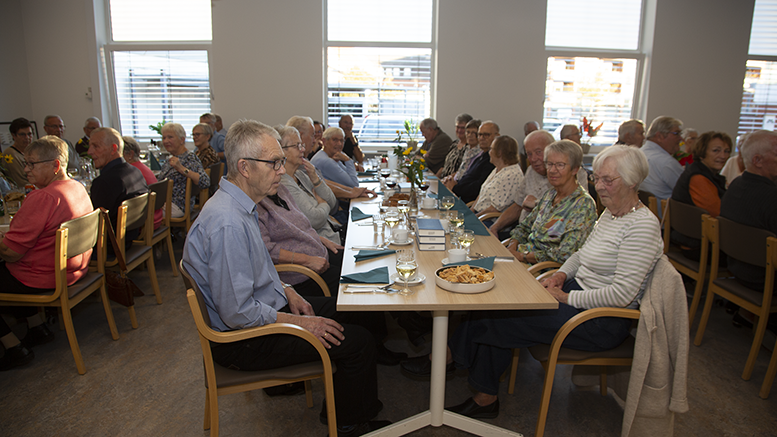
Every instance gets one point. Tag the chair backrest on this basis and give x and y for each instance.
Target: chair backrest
(685, 219)
(216, 171)
(137, 211)
(644, 196)
(745, 243)
(164, 195)
(75, 237)
(190, 284)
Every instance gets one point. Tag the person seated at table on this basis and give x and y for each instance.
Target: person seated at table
(181, 166)
(333, 164)
(611, 269)
(459, 146)
(21, 132)
(132, 156)
(501, 186)
(118, 180)
(313, 197)
(564, 215)
(468, 187)
(201, 134)
(701, 184)
(27, 249)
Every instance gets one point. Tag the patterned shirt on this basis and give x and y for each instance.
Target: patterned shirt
(614, 263)
(190, 161)
(207, 156)
(554, 233)
(500, 188)
(469, 155)
(535, 184)
(453, 159)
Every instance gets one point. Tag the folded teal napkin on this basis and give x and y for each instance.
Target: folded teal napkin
(379, 275)
(357, 214)
(486, 263)
(367, 254)
(366, 173)
(471, 221)
(368, 180)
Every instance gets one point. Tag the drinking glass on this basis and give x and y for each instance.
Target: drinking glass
(406, 268)
(448, 202)
(466, 238)
(456, 219)
(392, 219)
(377, 222)
(391, 183)
(403, 206)
(12, 207)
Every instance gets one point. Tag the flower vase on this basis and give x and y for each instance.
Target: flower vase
(413, 202)
(411, 145)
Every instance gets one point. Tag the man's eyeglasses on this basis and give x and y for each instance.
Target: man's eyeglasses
(485, 134)
(58, 126)
(558, 165)
(299, 146)
(676, 133)
(31, 164)
(276, 165)
(607, 181)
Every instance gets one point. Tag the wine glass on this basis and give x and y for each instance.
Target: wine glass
(377, 222)
(456, 219)
(448, 202)
(12, 207)
(424, 185)
(391, 183)
(384, 173)
(466, 238)
(392, 219)
(406, 268)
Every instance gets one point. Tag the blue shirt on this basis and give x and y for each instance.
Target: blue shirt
(217, 142)
(341, 172)
(226, 256)
(664, 171)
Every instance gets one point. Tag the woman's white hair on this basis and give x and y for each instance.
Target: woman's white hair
(175, 128)
(630, 161)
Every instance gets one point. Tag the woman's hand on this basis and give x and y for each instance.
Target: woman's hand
(555, 281)
(176, 164)
(316, 263)
(310, 169)
(334, 247)
(559, 295)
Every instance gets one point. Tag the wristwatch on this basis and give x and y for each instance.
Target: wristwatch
(186, 173)
(526, 256)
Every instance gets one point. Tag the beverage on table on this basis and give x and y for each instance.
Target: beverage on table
(466, 238)
(456, 219)
(447, 202)
(406, 268)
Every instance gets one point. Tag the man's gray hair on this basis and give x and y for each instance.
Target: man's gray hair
(49, 147)
(112, 136)
(90, 119)
(629, 127)
(243, 140)
(568, 130)
(428, 123)
(330, 131)
(663, 124)
(757, 143)
(218, 118)
(206, 128)
(209, 116)
(175, 128)
(571, 149)
(46, 119)
(685, 133)
(131, 145)
(631, 163)
(463, 118)
(545, 136)
(300, 122)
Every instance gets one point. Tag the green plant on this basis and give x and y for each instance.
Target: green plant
(409, 164)
(158, 127)
(411, 132)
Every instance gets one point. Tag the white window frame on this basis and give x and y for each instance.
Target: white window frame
(752, 57)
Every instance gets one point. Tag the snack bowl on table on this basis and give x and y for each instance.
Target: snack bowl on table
(460, 287)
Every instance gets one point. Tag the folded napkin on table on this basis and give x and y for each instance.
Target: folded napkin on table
(486, 263)
(357, 214)
(366, 173)
(368, 180)
(367, 254)
(375, 276)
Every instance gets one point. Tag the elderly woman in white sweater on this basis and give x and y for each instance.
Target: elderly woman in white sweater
(611, 269)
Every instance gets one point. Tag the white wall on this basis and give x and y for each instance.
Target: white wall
(14, 83)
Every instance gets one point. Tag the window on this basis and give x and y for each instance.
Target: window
(599, 88)
(151, 81)
(759, 91)
(379, 65)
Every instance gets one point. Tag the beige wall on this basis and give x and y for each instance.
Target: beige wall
(14, 83)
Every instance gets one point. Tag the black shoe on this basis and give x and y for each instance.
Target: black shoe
(470, 408)
(38, 335)
(422, 366)
(415, 326)
(16, 356)
(389, 358)
(362, 428)
(739, 321)
(291, 389)
(322, 416)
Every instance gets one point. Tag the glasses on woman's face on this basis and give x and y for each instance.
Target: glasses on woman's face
(276, 165)
(31, 164)
(606, 180)
(299, 146)
(560, 166)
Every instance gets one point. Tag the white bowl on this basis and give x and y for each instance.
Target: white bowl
(458, 287)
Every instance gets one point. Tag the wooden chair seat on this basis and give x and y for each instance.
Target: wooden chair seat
(541, 353)
(228, 377)
(88, 281)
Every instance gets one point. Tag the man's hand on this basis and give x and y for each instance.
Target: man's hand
(450, 184)
(365, 192)
(297, 303)
(331, 245)
(555, 281)
(326, 330)
(342, 157)
(529, 202)
(316, 263)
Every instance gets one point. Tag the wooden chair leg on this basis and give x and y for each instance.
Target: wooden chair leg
(61, 321)
(603, 380)
(212, 410)
(756, 347)
(547, 389)
(172, 255)
(695, 302)
(705, 315)
(109, 313)
(206, 421)
(513, 371)
(770, 373)
(71, 338)
(152, 275)
(133, 317)
(308, 394)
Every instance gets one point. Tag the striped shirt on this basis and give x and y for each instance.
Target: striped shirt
(614, 263)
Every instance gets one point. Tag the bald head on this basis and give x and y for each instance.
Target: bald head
(535, 144)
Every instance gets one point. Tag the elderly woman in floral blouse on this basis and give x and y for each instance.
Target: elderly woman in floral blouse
(201, 134)
(564, 215)
(501, 186)
(181, 166)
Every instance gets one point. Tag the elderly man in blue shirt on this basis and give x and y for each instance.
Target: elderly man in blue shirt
(663, 141)
(225, 255)
(333, 164)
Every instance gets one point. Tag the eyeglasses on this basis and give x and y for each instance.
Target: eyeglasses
(58, 126)
(485, 134)
(675, 133)
(558, 165)
(299, 146)
(607, 181)
(31, 164)
(22, 134)
(197, 135)
(276, 165)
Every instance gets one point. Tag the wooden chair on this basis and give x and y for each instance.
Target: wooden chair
(489, 215)
(770, 372)
(221, 381)
(164, 196)
(216, 171)
(750, 245)
(203, 195)
(648, 199)
(687, 220)
(553, 354)
(189, 214)
(73, 238)
(296, 268)
(134, 214)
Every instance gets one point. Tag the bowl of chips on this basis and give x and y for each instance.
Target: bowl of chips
(464, 279)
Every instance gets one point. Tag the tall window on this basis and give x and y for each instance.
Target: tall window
(159, 65)
(379, 65)
(582, 83)
(759, 93)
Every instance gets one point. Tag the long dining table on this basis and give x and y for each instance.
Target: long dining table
(515, 288)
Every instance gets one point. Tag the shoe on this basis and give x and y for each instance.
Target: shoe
(38, 335)
(471, 409)
(389, 358)
(362, 428)
(322, 417)
(291, 389)
(422, 366)
(16, 356)
(415, 326)
(738, 321)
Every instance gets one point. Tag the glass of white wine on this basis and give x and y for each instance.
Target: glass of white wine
(456, 219)
(392, 219)
(466, 238)
(406, 268)
(403, 206)
(448, 202)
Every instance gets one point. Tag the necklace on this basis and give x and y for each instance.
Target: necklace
(633, 208)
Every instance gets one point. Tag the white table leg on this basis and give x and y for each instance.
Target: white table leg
(439, 358)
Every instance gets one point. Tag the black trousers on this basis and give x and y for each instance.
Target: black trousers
(9, 284)
(331, 276)
(355, 381)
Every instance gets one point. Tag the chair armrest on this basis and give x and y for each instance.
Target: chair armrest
(488, 215)
(546, 275)
(296, 268)
(334, 220)
(506, 242)
(582, 317)
(539, 267)
(469, 204)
